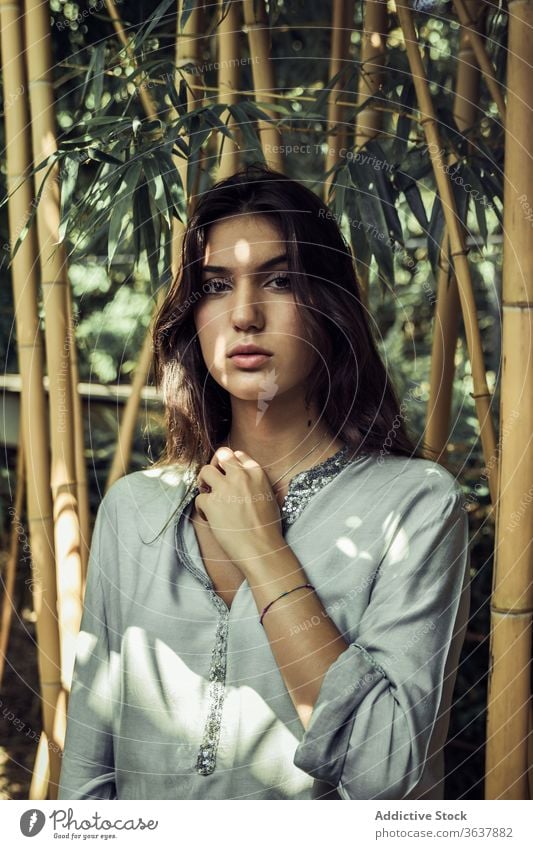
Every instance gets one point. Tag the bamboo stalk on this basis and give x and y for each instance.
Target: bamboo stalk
(82, 487)
(481, 55)
(369, 121)
(228, 84)
(144, 94)
(457, 244)
(447, 309)
(55, 300)
(128, 421)
(372, 64)
(507, 756)
(188, 46)
(8, 600)
(259, 36)
(34, 439)
(343, 14)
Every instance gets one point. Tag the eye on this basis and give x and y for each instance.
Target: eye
(284, 279)
(216, 282)
(216, 285)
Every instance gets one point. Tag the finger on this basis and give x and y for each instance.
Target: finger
(199, 509)
(224, 457)
(208, 476)
(245, 459)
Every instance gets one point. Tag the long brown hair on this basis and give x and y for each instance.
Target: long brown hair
(351, 385)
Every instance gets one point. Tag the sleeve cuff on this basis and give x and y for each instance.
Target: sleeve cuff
(322, 750)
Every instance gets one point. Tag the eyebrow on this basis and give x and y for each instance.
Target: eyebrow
(263, 267)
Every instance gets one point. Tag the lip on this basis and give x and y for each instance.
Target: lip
(249, 348)
(250, 360)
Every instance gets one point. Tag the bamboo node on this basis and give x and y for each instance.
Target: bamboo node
(480, 394)
(464, 252)
(518, 304)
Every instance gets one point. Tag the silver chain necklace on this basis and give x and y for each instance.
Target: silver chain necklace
(295, 464)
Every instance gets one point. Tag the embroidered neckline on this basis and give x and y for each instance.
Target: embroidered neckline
(302, 486)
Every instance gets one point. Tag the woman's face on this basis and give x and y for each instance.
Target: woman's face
(247, 298)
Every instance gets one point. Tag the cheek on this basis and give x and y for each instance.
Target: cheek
(295, 334)
(206, 325)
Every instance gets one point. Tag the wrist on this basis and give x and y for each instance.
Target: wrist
(262, 554)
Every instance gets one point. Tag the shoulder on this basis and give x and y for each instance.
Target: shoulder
(151, 481)
(403, 482)
(144, 499)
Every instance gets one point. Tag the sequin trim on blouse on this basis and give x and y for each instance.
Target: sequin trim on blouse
(301, 489)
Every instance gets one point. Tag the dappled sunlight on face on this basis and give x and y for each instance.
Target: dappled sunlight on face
(247, 297)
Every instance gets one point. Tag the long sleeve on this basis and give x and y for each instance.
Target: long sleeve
(88, 760)
(370, 730)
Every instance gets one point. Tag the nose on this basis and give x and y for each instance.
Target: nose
(246, 309)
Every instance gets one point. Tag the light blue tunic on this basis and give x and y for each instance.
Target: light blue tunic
(176, 697)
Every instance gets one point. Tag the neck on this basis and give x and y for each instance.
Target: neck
(281, 437)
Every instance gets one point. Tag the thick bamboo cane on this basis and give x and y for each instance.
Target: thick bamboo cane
(512, 596)
(371, 74)
(447, 308)
(34, 425)
(467, 21)
(8, 600)
(228, 84)
(188, 52)
(55, 299)
(343, 15)
(82, 487)
(259, 36)
(372, 69)
(457, 244)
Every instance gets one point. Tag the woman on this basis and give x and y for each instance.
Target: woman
(276, 608)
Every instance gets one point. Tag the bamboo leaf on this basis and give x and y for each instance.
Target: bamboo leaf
(173, 185)
(153, 21)
(329, 88)
(358, 239)
(122, 207)
(87, 79)
(407, 186)
(24, 232)
(98, 75)
(187, 10)
(404, 123)
(254, 112)
(479, 206)
(157, 188)
(386, 190)
(69, 178)
(102, 156)
(250, 136)
(271, 107)
(341, 182)
(371, 211)
(138, 218)
(217, 124)
(434, 234)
